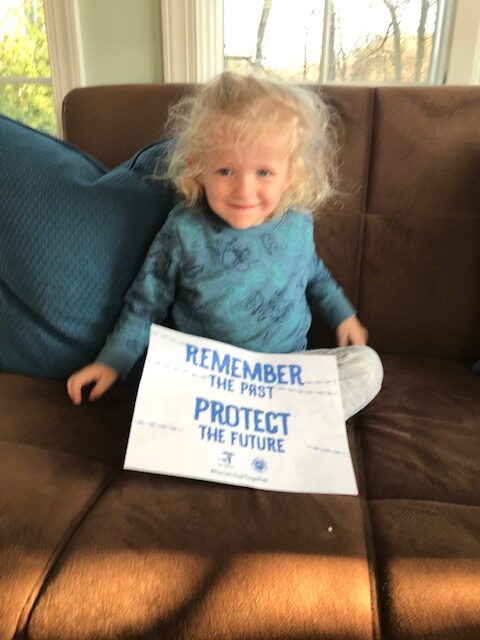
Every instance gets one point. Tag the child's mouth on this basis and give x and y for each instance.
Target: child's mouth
(242, 206)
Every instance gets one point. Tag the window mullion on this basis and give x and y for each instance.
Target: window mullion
(442, 41)
(192, 33)
(209, 49)
(64, 48)
(327, 31)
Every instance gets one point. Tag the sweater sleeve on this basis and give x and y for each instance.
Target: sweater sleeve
(324, 295)
(148, 300)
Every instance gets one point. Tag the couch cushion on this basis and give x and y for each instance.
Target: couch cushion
(425, 152)
(420, 269)
(420, 436)
(421, 446)
(112, 121)
(420, 283)
(43, 496)
(38, 412)
(184, 555)
(428, 563)
(73, 236)
(171, 558)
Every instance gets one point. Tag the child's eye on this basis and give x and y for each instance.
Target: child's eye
(224, 171)
(263, 173)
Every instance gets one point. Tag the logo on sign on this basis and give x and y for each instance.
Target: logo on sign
(226, 459)
(259, 465)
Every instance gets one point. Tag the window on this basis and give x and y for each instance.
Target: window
(373, 41)
(36, 73)
(26, 91)
(370, 41)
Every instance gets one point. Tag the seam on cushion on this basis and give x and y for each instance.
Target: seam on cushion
(359, 265)
(370, 547)
(98, 462)
(375, 609)
(367, 176)
(51, 564)
(360, 458)
(369, 158)
(458, 505)
(400, 414)
(427, 218)
(366, 194)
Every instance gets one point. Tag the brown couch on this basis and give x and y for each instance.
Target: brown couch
(90, 552)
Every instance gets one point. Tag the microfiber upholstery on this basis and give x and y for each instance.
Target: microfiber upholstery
(74, 234)
(90, 551)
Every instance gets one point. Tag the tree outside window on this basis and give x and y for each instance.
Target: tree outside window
(334, 40)
(25, 78)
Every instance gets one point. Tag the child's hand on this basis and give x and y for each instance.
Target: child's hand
(103, 376)
(351, 331)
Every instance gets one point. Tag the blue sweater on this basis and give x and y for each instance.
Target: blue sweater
(252, 288)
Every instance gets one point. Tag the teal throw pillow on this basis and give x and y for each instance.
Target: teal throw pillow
(73, 234)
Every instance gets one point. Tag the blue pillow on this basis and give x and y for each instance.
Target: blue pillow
(73, 234)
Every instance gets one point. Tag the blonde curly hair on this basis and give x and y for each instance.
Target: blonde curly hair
(242, 109)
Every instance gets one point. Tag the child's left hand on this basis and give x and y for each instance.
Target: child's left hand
(351, 331)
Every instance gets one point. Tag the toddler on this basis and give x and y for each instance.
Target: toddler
(235, 260)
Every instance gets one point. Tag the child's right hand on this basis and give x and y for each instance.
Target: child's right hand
(103, 376)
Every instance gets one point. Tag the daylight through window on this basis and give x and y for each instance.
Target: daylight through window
(25, 78)
(336, 40)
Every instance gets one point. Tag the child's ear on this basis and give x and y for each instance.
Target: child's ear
(190, 160)
(288, 181)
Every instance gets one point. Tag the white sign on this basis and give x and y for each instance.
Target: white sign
(211, 411)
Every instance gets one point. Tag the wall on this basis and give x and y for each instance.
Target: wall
(120, 41)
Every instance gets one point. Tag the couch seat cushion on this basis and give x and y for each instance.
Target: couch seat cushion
(428, 564)
(421, 435)
(171, 558)
(43, 496)
(38, 411)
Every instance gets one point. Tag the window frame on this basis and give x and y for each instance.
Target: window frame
(192, 36)
(64, 47)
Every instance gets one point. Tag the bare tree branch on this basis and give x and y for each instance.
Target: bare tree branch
(372, 52)
(421, 38)
(341, 58)
(393, 8)
(267, 5)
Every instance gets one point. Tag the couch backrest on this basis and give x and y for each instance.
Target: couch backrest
(405, 239)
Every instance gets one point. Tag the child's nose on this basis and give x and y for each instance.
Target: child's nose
(244, 185)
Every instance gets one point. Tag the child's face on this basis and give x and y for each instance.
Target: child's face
(244, 184)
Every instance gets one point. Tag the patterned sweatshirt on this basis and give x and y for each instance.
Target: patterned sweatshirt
(252, 288)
